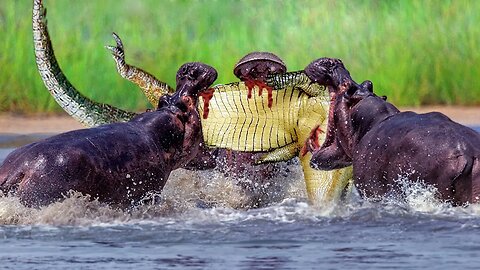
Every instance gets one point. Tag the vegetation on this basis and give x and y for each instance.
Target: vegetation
(415, 52)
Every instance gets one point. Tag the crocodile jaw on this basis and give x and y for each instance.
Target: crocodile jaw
(324, 188)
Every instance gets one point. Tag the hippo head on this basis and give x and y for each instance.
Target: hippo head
(192, 78)
(354, 108)
(344, 91)
(331, 73)
(257, 65)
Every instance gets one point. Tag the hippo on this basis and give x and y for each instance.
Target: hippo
(293, 106)
(384, 144)
(117, 163)
(253, 69)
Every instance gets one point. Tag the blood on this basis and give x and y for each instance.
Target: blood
(250, 85)
(261, 85)
(312, 142)
(207, 96)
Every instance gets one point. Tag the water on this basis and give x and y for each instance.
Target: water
(180, 233)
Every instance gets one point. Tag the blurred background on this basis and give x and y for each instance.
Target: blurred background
(415, 52)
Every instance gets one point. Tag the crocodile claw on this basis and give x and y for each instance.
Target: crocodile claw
(117, 51)
(118, 40)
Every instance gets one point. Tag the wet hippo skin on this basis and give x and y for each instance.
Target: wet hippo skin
(116, 163)
(384, 144)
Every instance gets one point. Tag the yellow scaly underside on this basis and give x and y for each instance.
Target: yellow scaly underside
(248, 124)
(238, 123)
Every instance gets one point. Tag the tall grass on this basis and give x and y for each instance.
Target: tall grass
(415, 52)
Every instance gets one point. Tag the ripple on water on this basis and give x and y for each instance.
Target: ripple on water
(207, 195)
(287, 235)
(202, 220)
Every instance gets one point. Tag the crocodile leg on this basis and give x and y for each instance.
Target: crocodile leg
(234, 121)
(151, 86)
(84, 110)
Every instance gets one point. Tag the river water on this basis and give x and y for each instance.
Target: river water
(198, 222)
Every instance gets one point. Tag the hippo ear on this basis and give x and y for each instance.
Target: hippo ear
(368, 85)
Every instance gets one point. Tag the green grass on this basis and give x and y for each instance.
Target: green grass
(415, 52)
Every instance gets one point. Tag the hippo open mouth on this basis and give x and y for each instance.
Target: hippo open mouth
(294, 105)
(332, 73)
(383, 144)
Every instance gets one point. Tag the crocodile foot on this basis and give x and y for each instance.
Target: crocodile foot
(118, 52)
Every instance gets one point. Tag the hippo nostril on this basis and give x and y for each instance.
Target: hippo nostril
(194, 74)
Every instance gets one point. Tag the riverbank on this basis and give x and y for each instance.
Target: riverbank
(10, 123)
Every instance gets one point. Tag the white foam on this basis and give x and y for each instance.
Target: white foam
(210, 197)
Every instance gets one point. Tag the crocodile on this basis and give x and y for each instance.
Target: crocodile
(243, 122)
(246, 124)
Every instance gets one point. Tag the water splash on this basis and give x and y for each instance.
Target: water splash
(421, 197)
(211, 197)
(186, 192)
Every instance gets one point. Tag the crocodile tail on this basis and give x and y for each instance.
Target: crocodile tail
(152, 87)
(84, 110)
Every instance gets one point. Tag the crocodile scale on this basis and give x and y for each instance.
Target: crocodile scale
(245, 124)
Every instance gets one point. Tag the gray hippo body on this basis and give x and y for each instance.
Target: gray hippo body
(427, 147)
(117, 163)
(384, 145)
